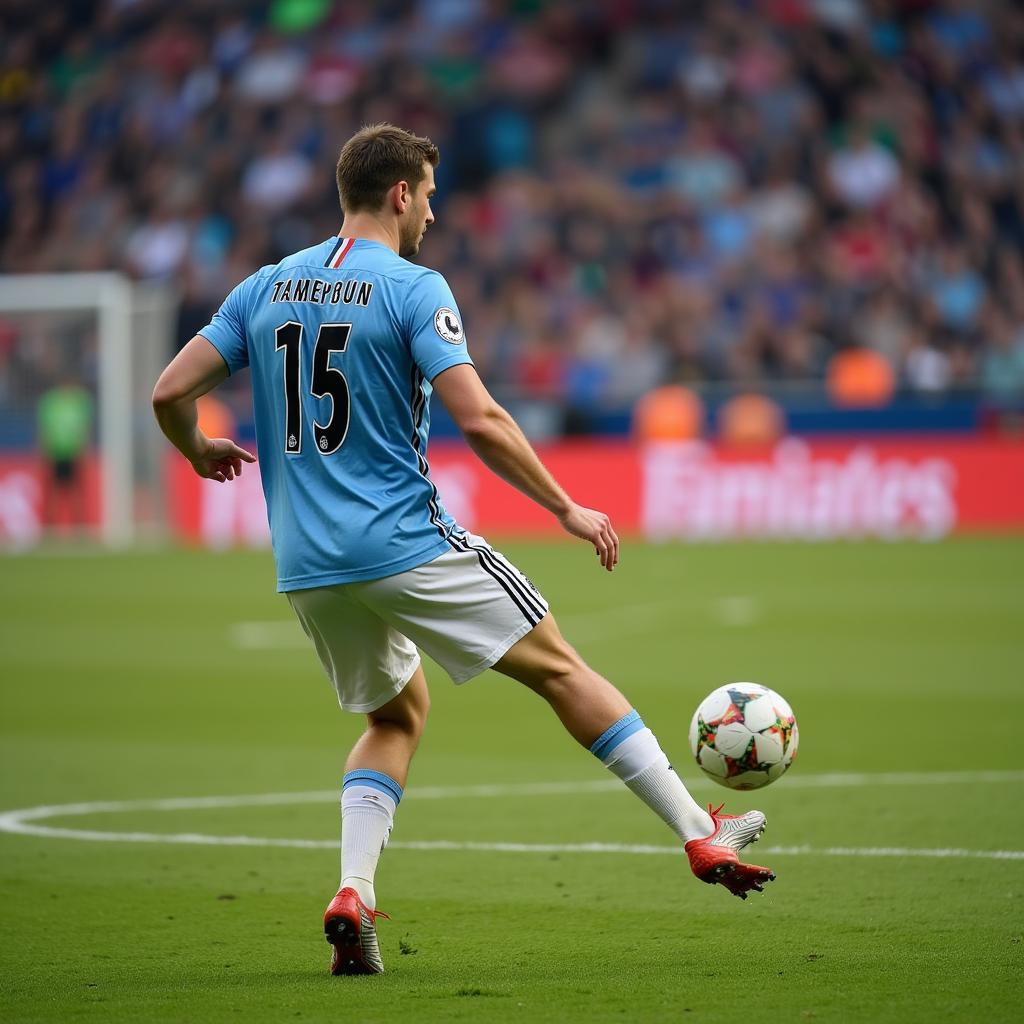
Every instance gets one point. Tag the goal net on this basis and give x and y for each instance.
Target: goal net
(104, 339)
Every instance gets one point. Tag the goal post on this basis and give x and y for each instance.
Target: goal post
(134, 324)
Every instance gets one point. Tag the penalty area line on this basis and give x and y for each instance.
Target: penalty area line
(771, 851)
(10, 821)
(457, 846)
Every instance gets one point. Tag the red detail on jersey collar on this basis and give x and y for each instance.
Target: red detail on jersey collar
(346, 245)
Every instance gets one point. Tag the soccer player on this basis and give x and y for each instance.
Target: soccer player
(64, 419)
(346, 341)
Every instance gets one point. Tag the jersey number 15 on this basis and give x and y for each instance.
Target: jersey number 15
(326, 380)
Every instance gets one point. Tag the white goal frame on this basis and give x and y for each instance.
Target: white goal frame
(134, 325)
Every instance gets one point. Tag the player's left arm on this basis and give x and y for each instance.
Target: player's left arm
(195, 370)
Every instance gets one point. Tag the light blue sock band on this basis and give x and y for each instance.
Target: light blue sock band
(376, 780)
(615, 734)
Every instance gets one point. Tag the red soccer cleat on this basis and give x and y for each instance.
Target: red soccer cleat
(349, 925)
(715, 858)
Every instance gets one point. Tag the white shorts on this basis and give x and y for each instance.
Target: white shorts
(465, 609)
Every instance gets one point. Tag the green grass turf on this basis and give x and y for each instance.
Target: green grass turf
(120, 680)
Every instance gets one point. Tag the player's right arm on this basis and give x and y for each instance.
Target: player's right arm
(219, 349)
(496, 438)
(197, 369)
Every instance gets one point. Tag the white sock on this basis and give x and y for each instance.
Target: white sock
(368, 803)
(631, 751)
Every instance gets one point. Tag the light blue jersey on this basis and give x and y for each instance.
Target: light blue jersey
(343, 340)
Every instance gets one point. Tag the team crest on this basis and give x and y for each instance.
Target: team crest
(448, 325)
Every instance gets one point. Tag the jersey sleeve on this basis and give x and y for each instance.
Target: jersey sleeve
(436, 335)
(226, 332)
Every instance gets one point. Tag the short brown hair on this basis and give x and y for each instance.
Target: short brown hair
(377, 157)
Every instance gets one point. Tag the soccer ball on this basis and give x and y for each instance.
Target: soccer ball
(744, 735)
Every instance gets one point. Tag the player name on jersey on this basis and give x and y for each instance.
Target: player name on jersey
(316, 289)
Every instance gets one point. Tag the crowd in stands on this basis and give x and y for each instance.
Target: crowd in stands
(631, 193)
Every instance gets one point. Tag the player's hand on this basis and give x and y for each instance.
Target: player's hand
(222, 460)
(593, 526)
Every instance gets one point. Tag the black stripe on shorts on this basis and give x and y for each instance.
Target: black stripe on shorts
(506, 579)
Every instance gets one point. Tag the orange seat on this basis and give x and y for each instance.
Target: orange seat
(215, 417)
(668, 413)
(751, 419)
(860, 377)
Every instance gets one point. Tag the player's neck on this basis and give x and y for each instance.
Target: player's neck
(370, 227)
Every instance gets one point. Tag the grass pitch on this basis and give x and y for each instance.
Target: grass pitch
(180, 674)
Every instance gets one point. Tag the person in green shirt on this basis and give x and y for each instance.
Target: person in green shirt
(64, 424)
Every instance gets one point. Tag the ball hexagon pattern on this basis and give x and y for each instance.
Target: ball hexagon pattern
(744, 735)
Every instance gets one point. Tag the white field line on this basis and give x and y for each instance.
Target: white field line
(735, 611)
(627, 620)
(286, 634)
(271, 635)
(24, 821)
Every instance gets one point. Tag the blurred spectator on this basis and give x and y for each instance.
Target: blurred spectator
(782, 209)
(886, 324)
(1002, 365)
(862, 172)
(270, 72)
(928, 368)
(277, 178)
(956, 290)
(157, 247)
(703, 172)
